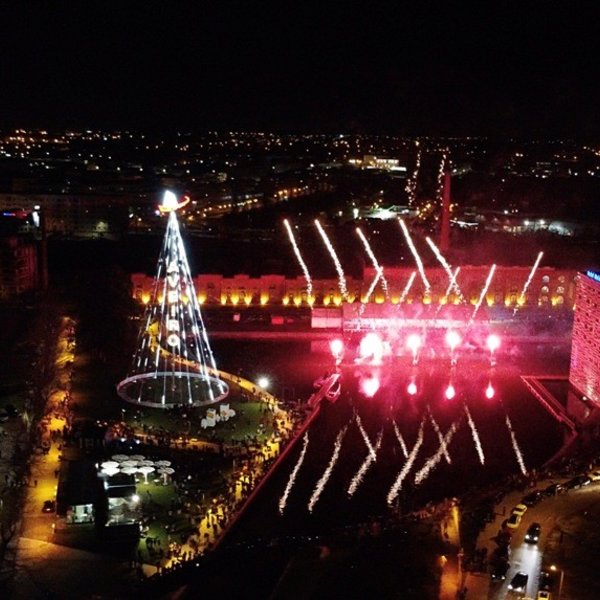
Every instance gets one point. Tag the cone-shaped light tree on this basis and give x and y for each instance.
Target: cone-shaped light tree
(173, 363)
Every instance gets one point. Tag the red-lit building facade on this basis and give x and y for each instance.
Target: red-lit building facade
(585, 354)
(18, 266)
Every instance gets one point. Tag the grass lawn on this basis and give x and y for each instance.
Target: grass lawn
(246, 422)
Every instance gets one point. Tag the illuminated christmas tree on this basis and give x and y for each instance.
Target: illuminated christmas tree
(173, 363)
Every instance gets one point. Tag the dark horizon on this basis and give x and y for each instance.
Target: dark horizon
(391, 69)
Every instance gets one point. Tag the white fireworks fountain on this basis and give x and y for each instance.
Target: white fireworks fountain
(484, 290)
(374, 261)
(528, 282)
(400, 440)
(299, 258)
(415, 254)
(434, 460)
(515, 446)
(397, 485)
(327, 473)
(293, 474)
(336, 261)
(475, 435)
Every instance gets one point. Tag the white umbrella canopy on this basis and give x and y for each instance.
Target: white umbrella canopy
(129, 463)
(137, 457)
(146, 463)
(165, 472)
(129, 470)
(119, 457)
(163, 463)
(146, 470)
(109, 464)
(110, 471)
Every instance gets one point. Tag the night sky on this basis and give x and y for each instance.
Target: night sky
(394, 67)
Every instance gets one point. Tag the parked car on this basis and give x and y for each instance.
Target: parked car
(532, 498)
(499, 571)
(594, 475)
(533, 533)
(578, 482)
(543, 595)
(519, 509)
(554, 489)
(49, 506)
(519, 582)
(546, 581)
(513, 521)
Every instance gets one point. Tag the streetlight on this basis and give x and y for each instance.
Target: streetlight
(554, 568)
(263, 382)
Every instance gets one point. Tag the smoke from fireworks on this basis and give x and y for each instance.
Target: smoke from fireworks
(475, 435)
(336, 260)
(327, 473)
(526, 286)
(397, 485)
(369, 460)
(378, 267)
(483, 293)
(447, 268)
(415, 255)
(290, 483)
(299, 258)
(407, 287)
(433, 461)
(400, 440)
(515, 446)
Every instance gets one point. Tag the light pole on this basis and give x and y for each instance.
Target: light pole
(554, 568)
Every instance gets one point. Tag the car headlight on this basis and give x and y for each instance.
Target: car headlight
(527, 537)
(509, 586)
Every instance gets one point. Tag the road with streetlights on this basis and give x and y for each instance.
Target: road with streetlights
(569, 529)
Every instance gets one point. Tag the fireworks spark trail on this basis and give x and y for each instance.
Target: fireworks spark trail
(406, 289)
(378, 267)
(299, 258)
(397, 485)
(515, 446)
(447, 292)
(440, 436)
(400, 440)
(336, 260)
(327, 473)
(483, 293)
(415, 254)
(365, 436)
(369, 460)
(447, 268)
(528, 282)
(433, 461)
(290, 483)
(372, 288)
(475, 434)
